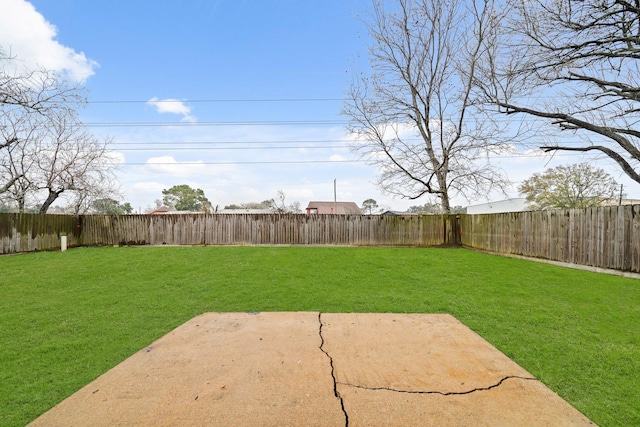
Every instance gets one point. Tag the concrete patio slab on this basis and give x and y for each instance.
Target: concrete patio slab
(417, 369)
(309, 368)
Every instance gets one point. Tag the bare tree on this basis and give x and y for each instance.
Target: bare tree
(84, 198)
(34, 90)
(415, 115)
(71, 159)
(25, 98)
(44, 147)
(279, 204)
(574, 64)
(17, 158)
(52, 155)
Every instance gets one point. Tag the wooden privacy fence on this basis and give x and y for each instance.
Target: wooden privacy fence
(607, 237)
(604, 237)
(31, 232)
(266, 229)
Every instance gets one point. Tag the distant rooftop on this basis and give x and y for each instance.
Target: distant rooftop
(339, 208)
(244, 211)
(517, 204)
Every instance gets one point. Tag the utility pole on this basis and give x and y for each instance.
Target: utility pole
(335, 199)
(620, 199)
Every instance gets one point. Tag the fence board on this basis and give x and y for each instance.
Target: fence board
(635, 238)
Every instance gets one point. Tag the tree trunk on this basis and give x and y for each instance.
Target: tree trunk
(445, 203)
(444, 189)
(53, 195)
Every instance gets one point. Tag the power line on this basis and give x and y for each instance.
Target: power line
(524, 120)
(161, 149)
(230, 123)
(232, 148)
(231, 100)
(299, 141)
(307, 141)
(178, 163)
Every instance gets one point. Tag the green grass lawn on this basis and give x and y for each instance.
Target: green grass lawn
(66, 318)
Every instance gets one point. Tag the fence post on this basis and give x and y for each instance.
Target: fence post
(455, 229)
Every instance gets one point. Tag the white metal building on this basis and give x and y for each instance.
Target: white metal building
(509, 205)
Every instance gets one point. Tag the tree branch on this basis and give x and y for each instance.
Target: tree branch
(564, 119)
(626, 167)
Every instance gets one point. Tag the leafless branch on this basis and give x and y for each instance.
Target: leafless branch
(43, 145)
(414, 115)
(585, 58)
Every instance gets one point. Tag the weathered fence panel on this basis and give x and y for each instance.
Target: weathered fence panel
(26, 232)
(34, 232)
(268, 229)
(604, 237)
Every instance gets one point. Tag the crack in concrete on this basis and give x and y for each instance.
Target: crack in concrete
(443, 393)
(335, 382)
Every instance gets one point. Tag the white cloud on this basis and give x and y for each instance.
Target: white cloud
(172, 106)
(27, 35)
(167, 165)
(152, 186)
(337, 158)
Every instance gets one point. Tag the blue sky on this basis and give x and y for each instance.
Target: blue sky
(254, 89)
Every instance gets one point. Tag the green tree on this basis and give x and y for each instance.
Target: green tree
(109, 206)
(433, 209)
(265, 204)
(369, 206)
(427, 208)
(569, 186)
(234, 206)
(184, 198)
(458, 210)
